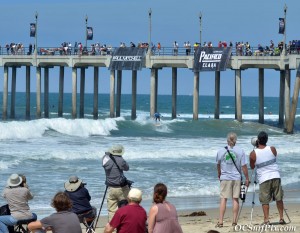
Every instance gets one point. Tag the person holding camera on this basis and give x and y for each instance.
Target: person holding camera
(80, 198)
(114, 165)
(17, 195)
(264, 159)
(231, 160)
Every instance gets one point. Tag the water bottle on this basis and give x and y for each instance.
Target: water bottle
(243, 191)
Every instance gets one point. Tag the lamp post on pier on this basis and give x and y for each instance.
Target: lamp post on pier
(86, 32)
(36, 31)
(150, 28)
(284, 33)
(200, 20)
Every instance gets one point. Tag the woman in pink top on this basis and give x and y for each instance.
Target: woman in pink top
(163, 215)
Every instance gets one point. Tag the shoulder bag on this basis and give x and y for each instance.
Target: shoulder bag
(123, 180)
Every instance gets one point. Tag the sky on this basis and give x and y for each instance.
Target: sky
(116, 21)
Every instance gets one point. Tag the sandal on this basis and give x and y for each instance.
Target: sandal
(234, 224)
(282, 222)
(266, 223)
(219, 225)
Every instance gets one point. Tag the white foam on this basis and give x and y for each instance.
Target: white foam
(78, 127)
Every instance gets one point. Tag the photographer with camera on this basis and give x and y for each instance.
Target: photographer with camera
(231, 162)
(118, 186)
(17, 195)
(264, 159)
(80, 198)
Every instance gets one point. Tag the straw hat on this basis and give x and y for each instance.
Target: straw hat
(116, 150)
(14, 180)
(135, 194)
(73, 184)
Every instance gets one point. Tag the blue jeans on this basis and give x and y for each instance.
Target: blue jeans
(6, 220)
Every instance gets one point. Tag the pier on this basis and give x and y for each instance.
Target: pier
(11, 62)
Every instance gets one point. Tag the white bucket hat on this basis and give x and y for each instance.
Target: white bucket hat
(14, 180)
(73, 184)
(116, 150)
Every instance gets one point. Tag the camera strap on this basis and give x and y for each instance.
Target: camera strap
(233, 161)
(115, 162)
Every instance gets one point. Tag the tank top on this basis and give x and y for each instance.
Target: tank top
(269, 171)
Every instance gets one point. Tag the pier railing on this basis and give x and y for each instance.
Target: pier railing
(164, 51)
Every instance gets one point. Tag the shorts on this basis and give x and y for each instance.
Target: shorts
(270, 190)
(230, 189)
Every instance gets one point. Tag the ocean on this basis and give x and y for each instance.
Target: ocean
(180, 152)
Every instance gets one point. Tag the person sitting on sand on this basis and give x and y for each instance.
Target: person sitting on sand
(131, 217)
(162, 215)
(80, 198)
(62, 221)
(17, 195)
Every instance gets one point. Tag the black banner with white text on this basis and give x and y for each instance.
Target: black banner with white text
(127, 59)
(89, 33)
(32, 30)
(281, 25)
(211, 59)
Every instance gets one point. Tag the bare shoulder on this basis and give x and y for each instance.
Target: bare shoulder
(253, 154)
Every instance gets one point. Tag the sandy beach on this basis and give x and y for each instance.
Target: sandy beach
(202, 224)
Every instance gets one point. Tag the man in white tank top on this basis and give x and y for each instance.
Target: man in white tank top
(264, 159)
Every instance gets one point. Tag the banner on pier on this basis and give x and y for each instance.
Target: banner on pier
(89, 33)
(281, 25)
(127, 59)
(211, 59)
(32, 30)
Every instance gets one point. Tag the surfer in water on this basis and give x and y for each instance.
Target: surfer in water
(157, 116)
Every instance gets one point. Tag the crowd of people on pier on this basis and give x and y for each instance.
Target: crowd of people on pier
(238, 48)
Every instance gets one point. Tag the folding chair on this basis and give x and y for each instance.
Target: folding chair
(22, 225)
(89, 224)
(88, 220)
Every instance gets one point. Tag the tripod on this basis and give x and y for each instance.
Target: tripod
(101, 206)
(253, 198)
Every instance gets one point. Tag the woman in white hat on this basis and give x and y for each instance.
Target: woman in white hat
(17, 196)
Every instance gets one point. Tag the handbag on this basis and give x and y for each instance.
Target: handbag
(4, 210)
(123, 180)
(243, 188)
